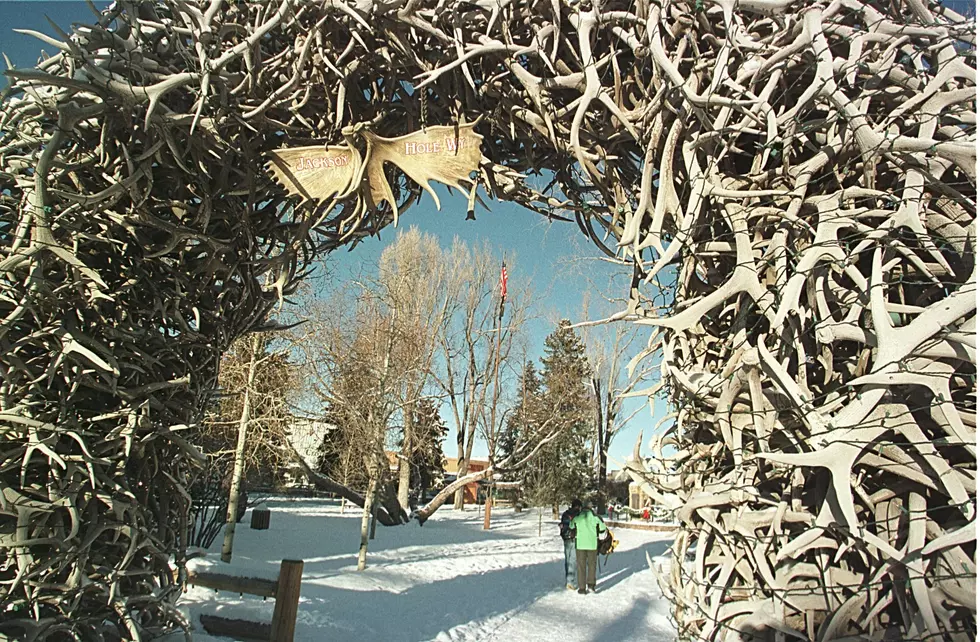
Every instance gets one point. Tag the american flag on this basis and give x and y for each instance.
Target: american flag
(503, 281)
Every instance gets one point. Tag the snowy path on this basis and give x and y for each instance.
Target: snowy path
(448, 581)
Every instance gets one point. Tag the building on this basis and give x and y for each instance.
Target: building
(473, 492)
(306, 436)
(394, 462)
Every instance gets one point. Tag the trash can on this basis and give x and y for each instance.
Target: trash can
(260, 519)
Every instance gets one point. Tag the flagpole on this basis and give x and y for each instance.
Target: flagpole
(496, 387)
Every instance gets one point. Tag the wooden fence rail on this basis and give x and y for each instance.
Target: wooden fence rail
(285, 590)
(642, 526)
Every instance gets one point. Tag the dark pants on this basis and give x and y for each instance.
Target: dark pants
(586, 568)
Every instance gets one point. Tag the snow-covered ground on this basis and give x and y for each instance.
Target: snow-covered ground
(447, 581)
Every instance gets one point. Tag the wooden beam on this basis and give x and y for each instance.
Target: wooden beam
(238, 629)
(250, 585)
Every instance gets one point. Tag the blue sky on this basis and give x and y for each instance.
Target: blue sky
(558, 259)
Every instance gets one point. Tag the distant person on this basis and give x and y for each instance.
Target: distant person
(587, 526)
(568, 539)
(242, 506)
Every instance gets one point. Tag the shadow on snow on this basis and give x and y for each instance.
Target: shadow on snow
(431, 600)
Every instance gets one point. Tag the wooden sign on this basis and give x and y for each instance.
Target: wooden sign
(316, 173)
(445, 153)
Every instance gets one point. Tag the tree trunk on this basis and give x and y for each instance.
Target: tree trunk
(374, 515)
(404, 466)
(492, 429)
(487, 504)
(381, 491)
(460, 458)
(387, 517)
(604, 461)
(426, 511)
(607, 436)
(343, 500)
(236, 476)
(599, 423)
(365, 523)
(462, 468)
(464, 463)
(604, 432)
(469, 420)
(388, 502)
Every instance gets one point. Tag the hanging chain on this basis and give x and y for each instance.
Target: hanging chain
(425, 108)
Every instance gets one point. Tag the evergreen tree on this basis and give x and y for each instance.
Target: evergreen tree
(561, 470)
(428, 461)
(344, 448)
(522, 424)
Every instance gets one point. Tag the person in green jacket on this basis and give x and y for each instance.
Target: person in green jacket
(587, 528)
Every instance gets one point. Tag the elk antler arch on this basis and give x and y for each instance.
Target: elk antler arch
(807, 169)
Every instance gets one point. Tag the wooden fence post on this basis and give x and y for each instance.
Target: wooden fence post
(287, 600)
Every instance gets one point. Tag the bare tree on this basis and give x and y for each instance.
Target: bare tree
(613, 356)
(243, 434)
(360, 385)
(246, 417)
(414, 285)
(466, 339)
(490, 423)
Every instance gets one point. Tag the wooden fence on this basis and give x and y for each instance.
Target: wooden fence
(642, 526)
(285, 591)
